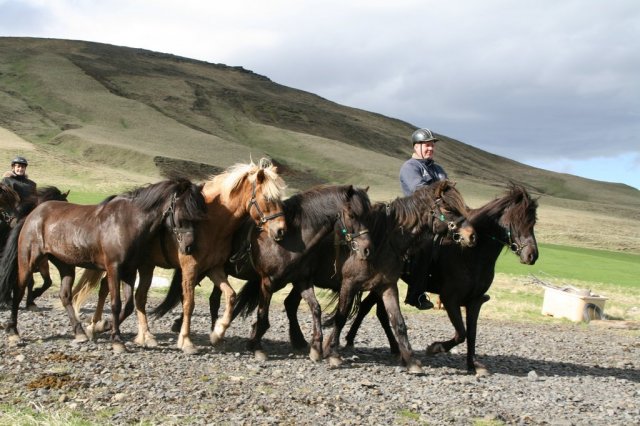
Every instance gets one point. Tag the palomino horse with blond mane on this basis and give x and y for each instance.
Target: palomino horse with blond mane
(242, 191)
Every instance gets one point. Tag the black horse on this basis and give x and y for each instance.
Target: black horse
(462, 277)
(269, 265)
(397, 228)
(111, 236)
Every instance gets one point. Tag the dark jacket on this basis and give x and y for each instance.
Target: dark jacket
(24, 186)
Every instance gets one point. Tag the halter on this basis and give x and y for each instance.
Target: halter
(6, 217)
(349, 237)
(171, 212)
(514, 246)
(436, 213)
(253, 202)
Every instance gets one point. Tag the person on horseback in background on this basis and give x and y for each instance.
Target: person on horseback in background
(420, 170)
(17, 179)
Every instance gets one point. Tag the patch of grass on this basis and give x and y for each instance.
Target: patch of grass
(15, 415)
(582, 264)
(406, 415)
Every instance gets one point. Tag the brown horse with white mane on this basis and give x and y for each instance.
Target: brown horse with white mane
(243, 191)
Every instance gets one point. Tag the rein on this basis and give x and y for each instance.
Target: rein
(253, 202)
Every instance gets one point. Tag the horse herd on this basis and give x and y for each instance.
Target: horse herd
(239, 224)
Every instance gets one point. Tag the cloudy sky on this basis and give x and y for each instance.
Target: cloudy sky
(551, 83)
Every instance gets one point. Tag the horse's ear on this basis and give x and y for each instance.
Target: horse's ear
(350, 191)
(66, 194)
(366, 189)
(260, 176)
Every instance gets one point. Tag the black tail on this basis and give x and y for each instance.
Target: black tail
(9, 265)
(357, 300)
(247, 299)
(173, 298)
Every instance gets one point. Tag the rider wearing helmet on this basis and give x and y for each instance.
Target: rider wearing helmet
(17, 178)
(420, 170)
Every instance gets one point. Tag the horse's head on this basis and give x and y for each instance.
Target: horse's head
(351, 228)
(9, 201)
(449, 214)
(265, 205)
(518, 221)
(185, 207)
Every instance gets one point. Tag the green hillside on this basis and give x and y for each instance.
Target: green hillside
(98, 118)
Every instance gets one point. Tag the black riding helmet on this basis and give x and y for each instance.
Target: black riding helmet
(423, 135)
(19, 160)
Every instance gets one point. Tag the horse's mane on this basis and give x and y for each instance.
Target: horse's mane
(515, 207)
(409, 211)
(154, 196)
(316, 206)
(47, 193)
(230, 180)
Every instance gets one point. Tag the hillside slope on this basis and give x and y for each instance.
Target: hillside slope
(104, 116)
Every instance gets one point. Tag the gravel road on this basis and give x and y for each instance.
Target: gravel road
(555, 373)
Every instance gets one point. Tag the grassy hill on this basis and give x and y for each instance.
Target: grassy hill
(98, 118)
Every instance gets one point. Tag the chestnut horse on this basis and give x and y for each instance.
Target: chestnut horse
(269, 265)
(111, 236)
(243, 192)
(462, 277)
(397, 228)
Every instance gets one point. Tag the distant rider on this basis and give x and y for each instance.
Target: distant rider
(420, 170)
(17, 179)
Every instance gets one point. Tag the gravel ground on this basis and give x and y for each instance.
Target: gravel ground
(556, 374)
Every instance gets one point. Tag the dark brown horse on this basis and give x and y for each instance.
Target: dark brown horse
(112, 236)
(9, 202)
(244, 192)
(462, 277)
(269, 265)
(397, 229)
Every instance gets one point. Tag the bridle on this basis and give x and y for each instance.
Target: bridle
(349, 237)
(437, 214)
(514, 246)
(6, 217)
(253, 202)
(170, 212)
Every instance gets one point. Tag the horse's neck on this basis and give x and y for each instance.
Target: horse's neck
(492, 236)
(399, 237)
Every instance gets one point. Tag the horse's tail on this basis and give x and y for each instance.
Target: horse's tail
(88, 281)
(173, 298)
(330, 320)
(9, 265)
(247, 299)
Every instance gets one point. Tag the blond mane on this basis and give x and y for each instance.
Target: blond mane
(231, 179)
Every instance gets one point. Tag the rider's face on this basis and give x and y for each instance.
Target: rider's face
(19, 169)
(424, 149)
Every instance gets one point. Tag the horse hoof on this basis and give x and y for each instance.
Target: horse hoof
(335, 361)
(150, 342)
(119, 348)
(315, 355)
(176, 326)
(260, 355)
(89, 330)
(190, 350)
(81, 338)
(481, 370)
(102, 326)
(215, 339)
(435, 348)
(415, 369)
(32, 307)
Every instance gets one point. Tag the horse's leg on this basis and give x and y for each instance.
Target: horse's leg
(218, 276)
(473, 312)
(98, 325)
(46, 283)
(455, 316)
(399, 327)
(309, 296)
(345, 301)
(365, 306)
(144, 338)
(291, 304)
(261, 325)
(214, 305)
(67, 274)
(11, 328)
(189, 275)
(113, 277)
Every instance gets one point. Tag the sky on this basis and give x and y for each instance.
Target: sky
(554, 84)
